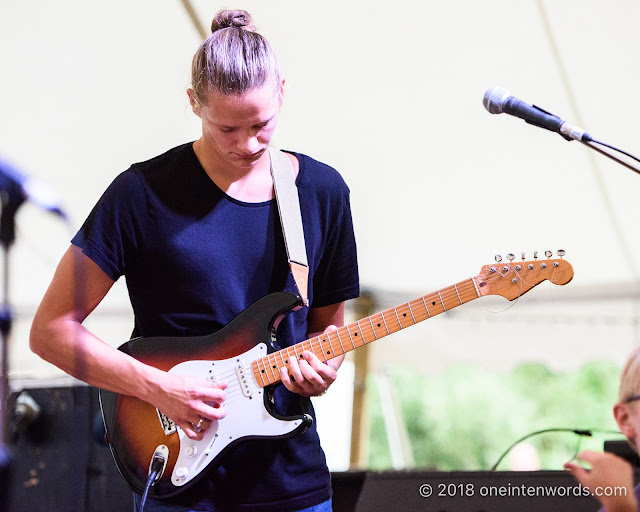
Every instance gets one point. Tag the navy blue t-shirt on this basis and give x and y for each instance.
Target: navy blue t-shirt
(193, 259)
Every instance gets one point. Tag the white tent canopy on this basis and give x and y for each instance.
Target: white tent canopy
(389, 94)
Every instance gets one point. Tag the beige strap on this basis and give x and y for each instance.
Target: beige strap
(284, 182)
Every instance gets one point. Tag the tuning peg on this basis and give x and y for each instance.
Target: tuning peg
(561, 253)
(498, 258)
(511, 257)
(535, 255)
(548, 254)
(523, 256)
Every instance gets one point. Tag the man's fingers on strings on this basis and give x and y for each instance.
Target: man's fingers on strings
(287, 380)
(312, 377)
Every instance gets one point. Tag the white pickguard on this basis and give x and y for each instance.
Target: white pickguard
(246, 414)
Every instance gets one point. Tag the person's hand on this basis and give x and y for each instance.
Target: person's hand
(610, 480)
(192, 403)
(309, 376)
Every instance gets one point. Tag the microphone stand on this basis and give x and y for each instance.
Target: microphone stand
(628, 165)
(10, 200)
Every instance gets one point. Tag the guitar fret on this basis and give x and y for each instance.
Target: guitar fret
(326, 353)
(458, 294)
(398, 318)
(373, 328)
(323, 358)
(264, 370)
(350, 337)
(273, 367)
(411, 311)
(257, 371)
(333, 351)
(443, 306)
(364, 341)
(340, 341)
(321, 351)
(425, 306)
(313, 350)
(282, 358)
(384, 321)
(473, 280)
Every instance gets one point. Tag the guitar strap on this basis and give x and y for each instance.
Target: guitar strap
(284, 183)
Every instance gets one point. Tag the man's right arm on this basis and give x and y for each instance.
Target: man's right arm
(58, 336)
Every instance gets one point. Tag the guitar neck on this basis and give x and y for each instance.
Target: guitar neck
(358, 334)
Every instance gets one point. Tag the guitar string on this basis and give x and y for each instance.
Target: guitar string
(233, 390)
(465, 286)
(456, 290)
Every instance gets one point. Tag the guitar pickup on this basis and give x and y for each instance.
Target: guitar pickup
(241, 374)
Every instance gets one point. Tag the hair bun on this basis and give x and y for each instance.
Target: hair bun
(232, 19)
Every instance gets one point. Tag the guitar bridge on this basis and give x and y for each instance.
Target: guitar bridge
(168, 425)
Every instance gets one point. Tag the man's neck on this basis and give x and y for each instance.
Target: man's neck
(252, 184)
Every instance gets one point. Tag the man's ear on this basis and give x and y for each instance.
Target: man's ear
(194, 103)
(623, 419)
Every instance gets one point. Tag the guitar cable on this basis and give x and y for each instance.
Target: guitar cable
(156, 469)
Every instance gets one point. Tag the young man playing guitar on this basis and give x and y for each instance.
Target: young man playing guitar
(196, 234)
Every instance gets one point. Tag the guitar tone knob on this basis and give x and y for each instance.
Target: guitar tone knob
(182, 473)
(191, 451)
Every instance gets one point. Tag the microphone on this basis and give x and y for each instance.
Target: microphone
(20, 187)
(498, 100)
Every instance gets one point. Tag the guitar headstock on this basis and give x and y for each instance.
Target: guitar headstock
(511, 279)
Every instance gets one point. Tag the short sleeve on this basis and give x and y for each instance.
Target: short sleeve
(327, 217)
(114, 232)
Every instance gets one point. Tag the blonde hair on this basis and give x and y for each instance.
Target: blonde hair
(630, 377)
(233, 59)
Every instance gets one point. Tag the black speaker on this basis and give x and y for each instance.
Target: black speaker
(57, 463)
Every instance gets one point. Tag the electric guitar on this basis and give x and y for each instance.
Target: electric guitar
(243, 355)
